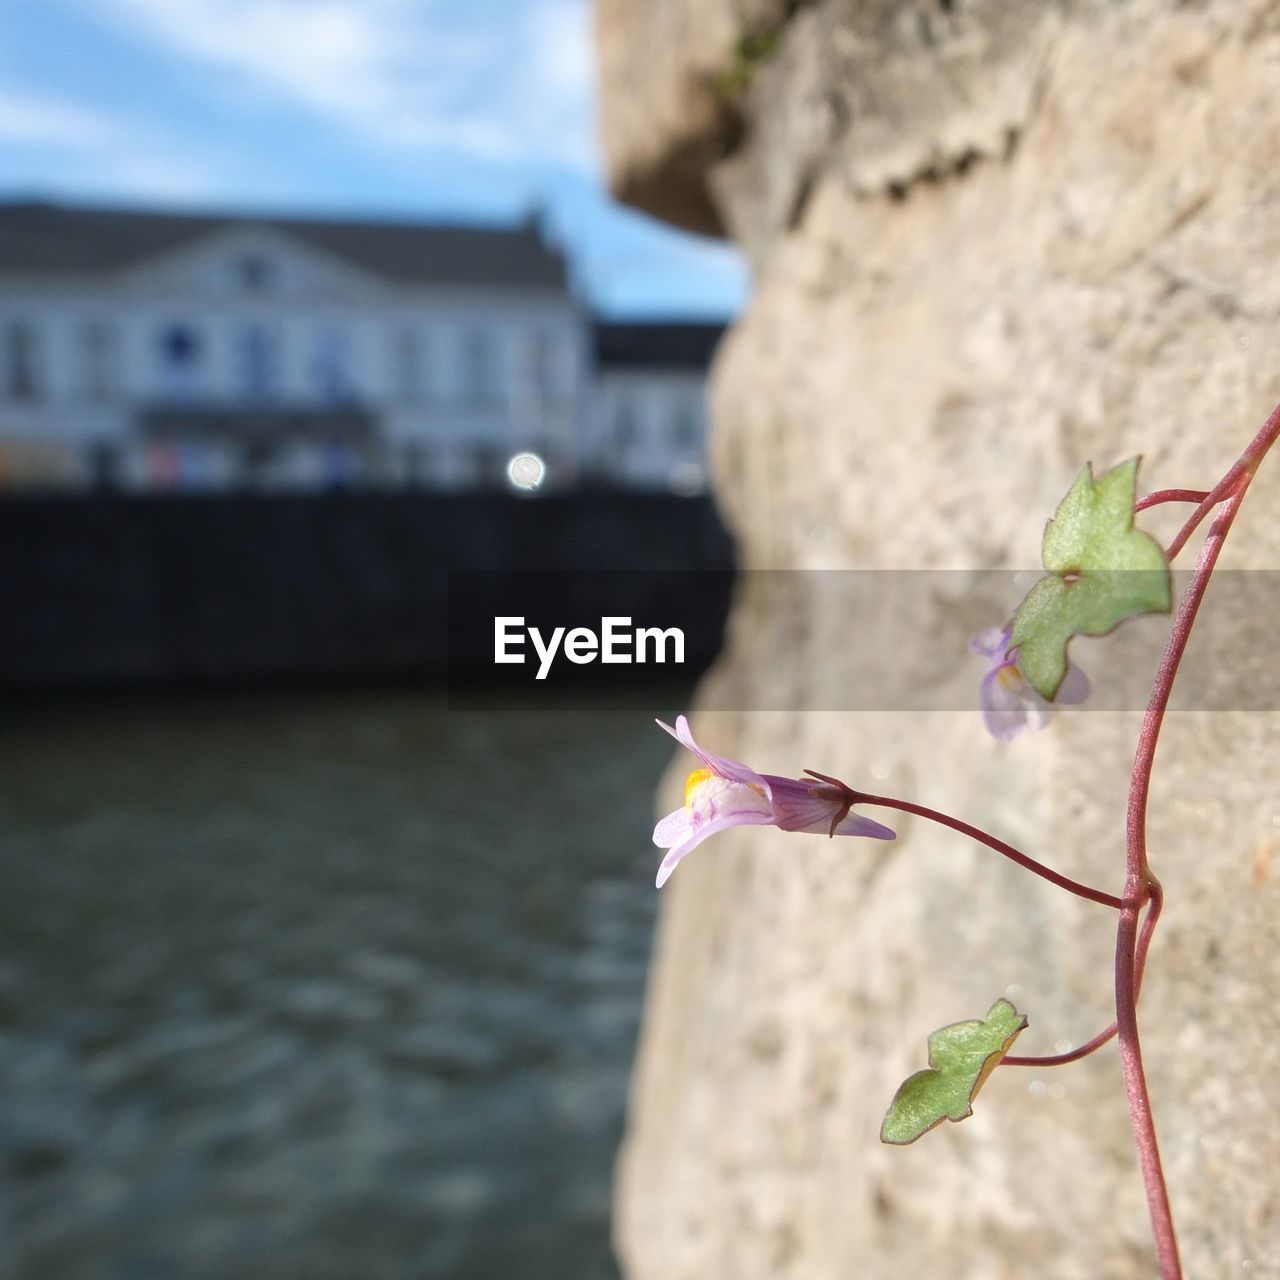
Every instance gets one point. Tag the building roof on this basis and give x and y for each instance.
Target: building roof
(665, 343)
(38, 238)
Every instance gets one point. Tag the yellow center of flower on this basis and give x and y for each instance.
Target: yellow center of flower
(1009, 677)
(694, 781)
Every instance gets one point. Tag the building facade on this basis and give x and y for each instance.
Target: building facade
(158, 351)
(647, 422)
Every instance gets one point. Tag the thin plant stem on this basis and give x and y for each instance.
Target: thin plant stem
(1170, 495)
(1240, 473)
(1154, 904)
(1061, 1059)
(1210, 500)
(1138, 880)
(993, 842)
(1140, 883)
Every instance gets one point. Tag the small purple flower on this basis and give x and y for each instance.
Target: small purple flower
(724, 794)
(1009, 703)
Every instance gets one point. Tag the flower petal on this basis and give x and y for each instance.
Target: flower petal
(809, 805)
(699, 834)
(1005, 711)
(673, 828)
(1075, 686)
(800, 805)
(715, 797)
(856, 825)
(731, 769)
(669, 864)
(991, 642)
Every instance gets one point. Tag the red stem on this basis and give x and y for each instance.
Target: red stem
(1141, 886)
(1061, 1059)
(993, 842)
(1154, 905)
(1170, 495)
(1239, 475)
(1158, 702)
(1138, 882)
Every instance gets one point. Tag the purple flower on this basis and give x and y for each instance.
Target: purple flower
(1009, 703)
(724, 794)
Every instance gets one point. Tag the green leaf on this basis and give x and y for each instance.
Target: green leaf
(961, 1057)
(1101, 571)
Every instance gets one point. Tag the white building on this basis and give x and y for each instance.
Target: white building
(647, 426)
(159, 350)
(155, 351)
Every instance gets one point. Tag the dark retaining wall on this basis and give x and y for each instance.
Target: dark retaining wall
(116, 592)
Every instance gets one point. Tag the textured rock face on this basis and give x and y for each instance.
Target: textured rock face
(1069, 252)
(667, 117)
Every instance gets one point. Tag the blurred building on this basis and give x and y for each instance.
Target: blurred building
(149, 350)
(648, 424)
(159, 351)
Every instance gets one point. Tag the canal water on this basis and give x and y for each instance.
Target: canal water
(336, 986)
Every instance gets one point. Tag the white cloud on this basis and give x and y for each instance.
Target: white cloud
(402, 74)
(160, 175)
(560, 91)
(421, 87)
(78, 149)
(34, 119)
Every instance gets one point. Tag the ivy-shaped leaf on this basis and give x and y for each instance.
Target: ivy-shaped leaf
(1101, 571)
(961, 1057)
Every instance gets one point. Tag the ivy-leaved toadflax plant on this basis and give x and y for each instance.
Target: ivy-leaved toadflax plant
(1100, 572)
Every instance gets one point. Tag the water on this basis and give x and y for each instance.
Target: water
(309, 988)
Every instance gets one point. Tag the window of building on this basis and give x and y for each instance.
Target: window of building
(259, 362)
(104, 463)
(480, 369)
(20, 358)
(684, 427)
(254, 272)
(98, 359)
(488, 461)
(626, 426)
(544, 351)
(344, 464)
(331, 367)
(179, 351)
(409, 365)
(417, 462)
(180, 346)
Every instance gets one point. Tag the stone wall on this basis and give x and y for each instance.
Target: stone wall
(992, 242)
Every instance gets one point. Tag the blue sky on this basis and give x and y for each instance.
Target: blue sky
(401, 108)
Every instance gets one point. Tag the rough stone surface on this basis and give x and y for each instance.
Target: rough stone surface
(666, 116)
(933, 350)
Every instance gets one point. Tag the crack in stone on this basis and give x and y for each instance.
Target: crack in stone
(1225, 300)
